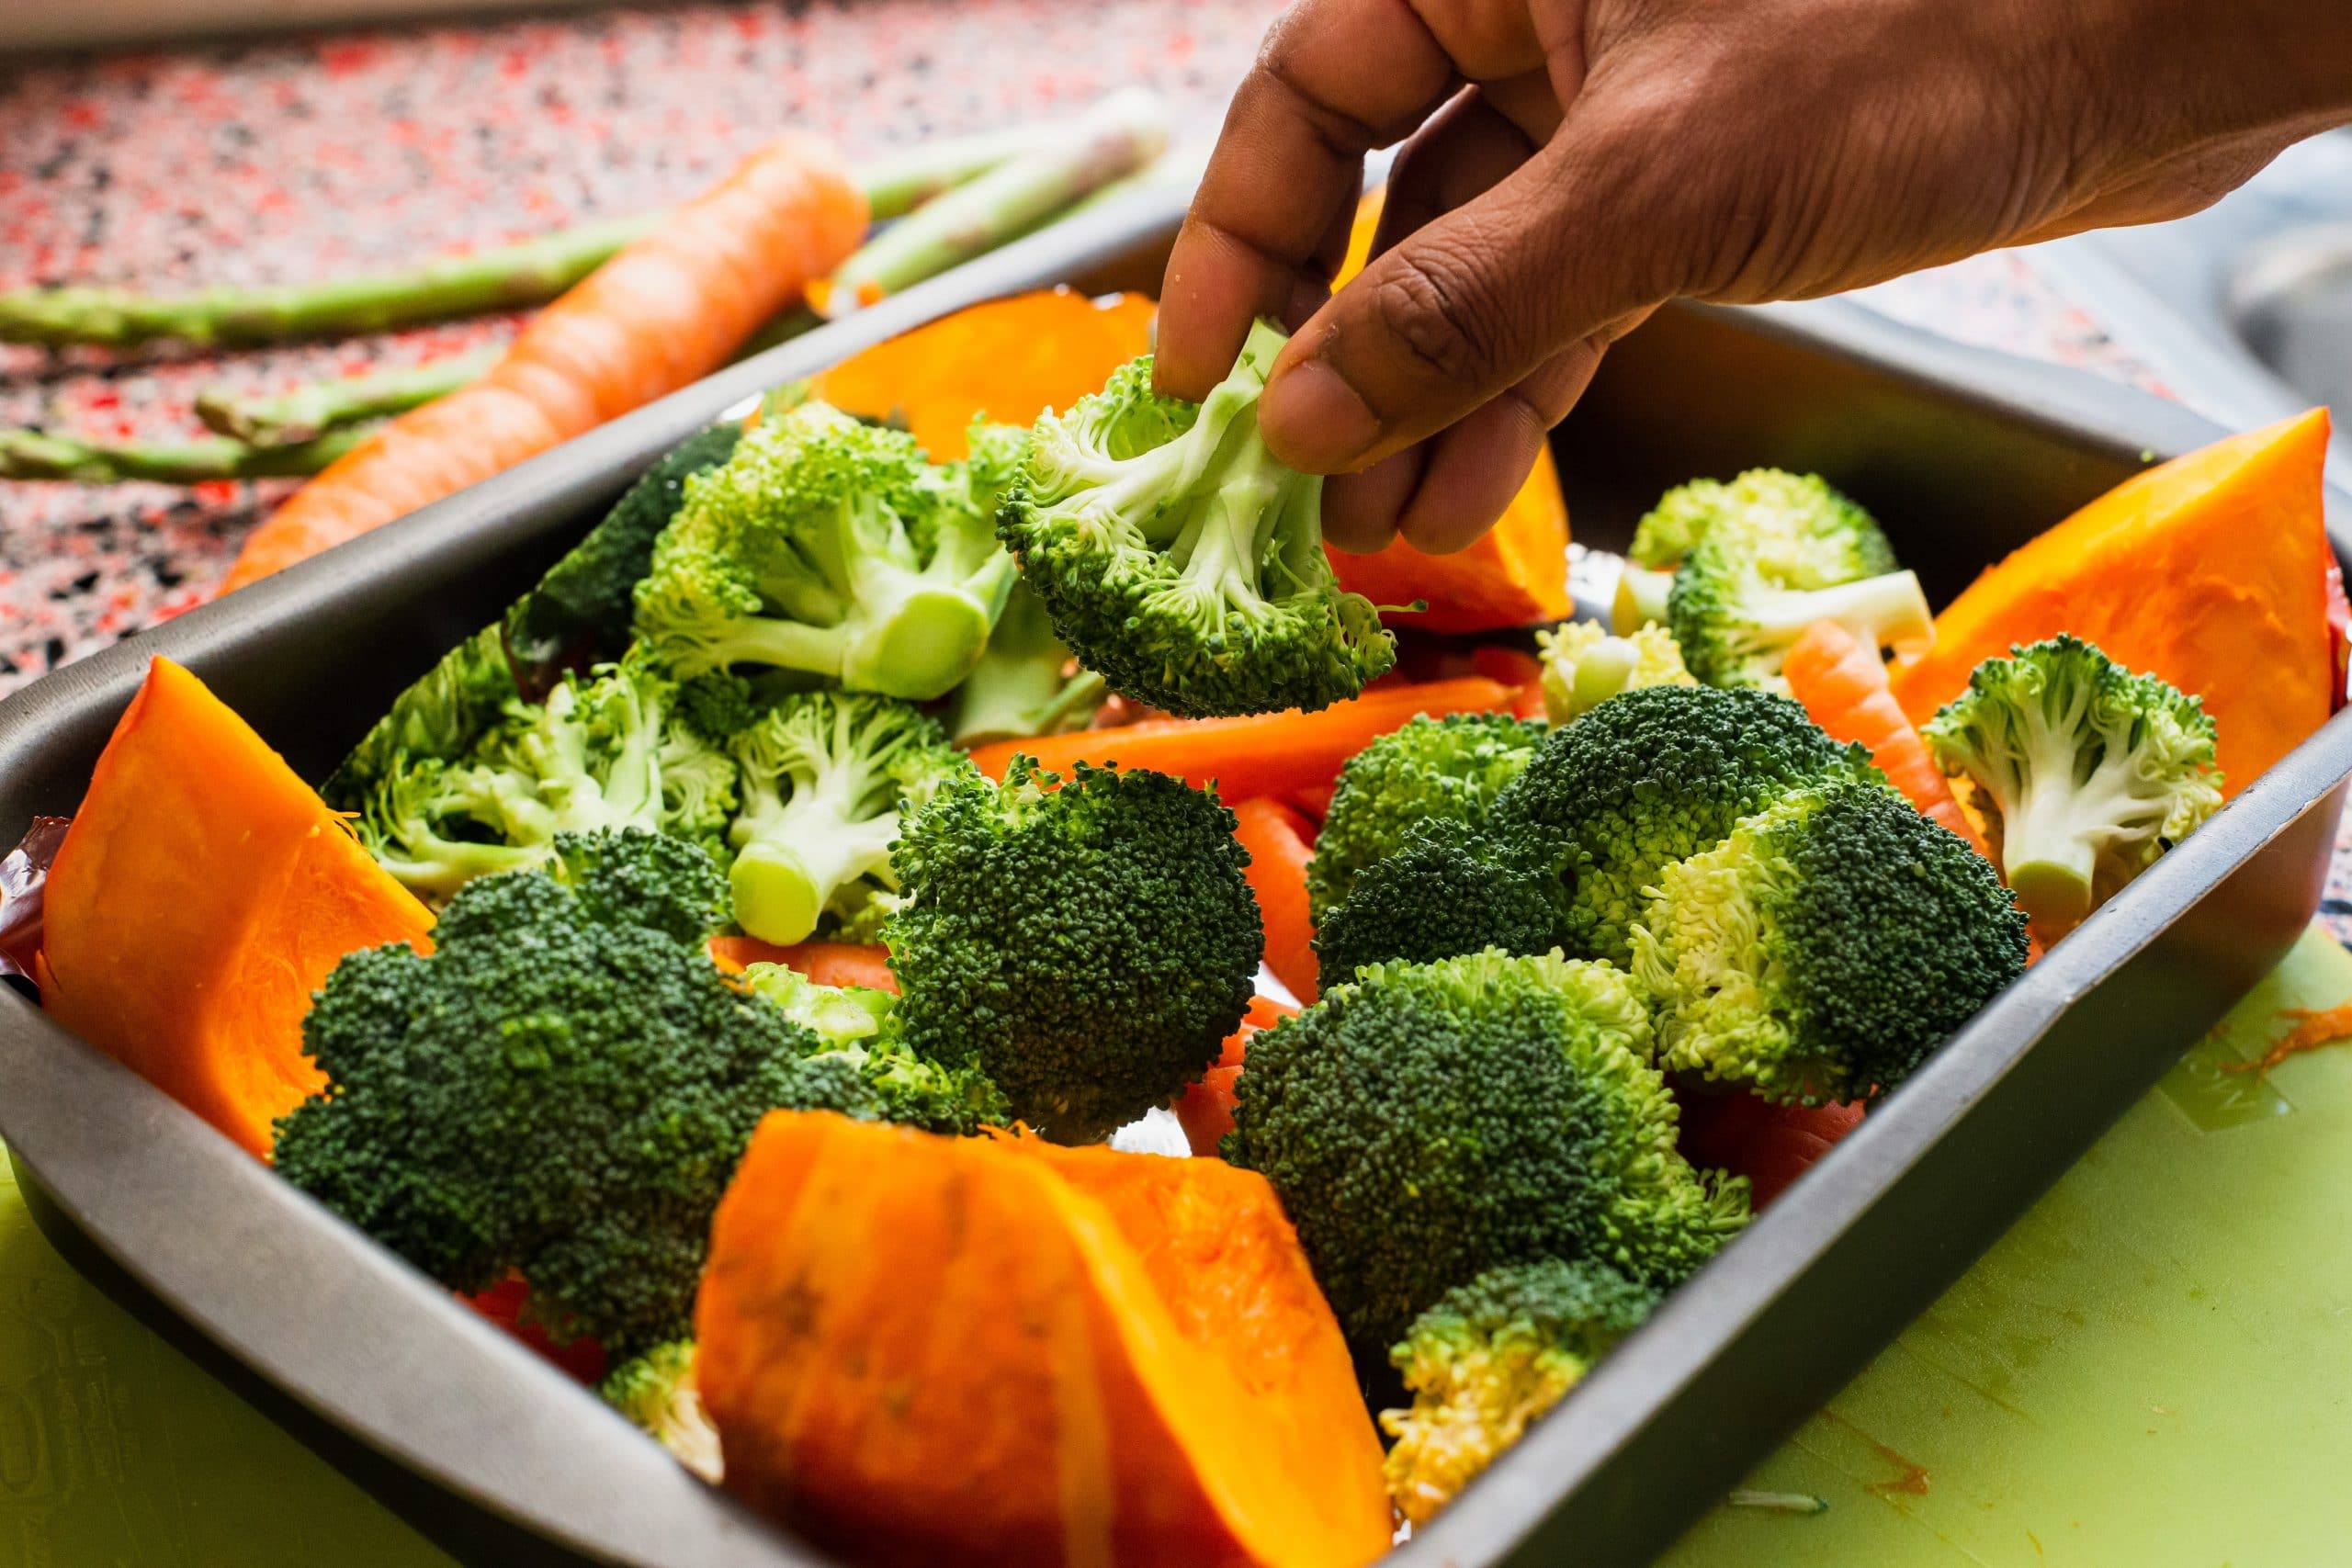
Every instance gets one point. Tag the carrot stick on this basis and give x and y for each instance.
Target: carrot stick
(1277, 840)
(1205, 1109)
(667, 309)
(1843, 687)
(1268, 753)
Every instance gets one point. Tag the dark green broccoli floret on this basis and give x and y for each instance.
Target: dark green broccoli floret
(1088, 943)
(1446, 891)
(656, 1391)
(1179, 559)
(604, 751)
(2082, 771)
(580, 612)
(1488, 1358)
(1426, 1123)
(860, 1024)
(1771, 554)
(1446, 768)
(1645, 779)
(562, 1088)
(439, 717)
(1027, 683)
(825, 776)
(830, 548)
(1826, 947)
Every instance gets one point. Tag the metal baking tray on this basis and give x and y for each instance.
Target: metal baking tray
(1963, 454)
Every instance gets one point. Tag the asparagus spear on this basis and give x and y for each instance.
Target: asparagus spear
(503, 278)
(292, 418)
(1116, 137)
(32, 455)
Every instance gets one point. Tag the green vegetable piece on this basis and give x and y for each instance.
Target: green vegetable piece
(656, 1391)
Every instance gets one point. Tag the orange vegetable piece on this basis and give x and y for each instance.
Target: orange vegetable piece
(1277, 841)
(826, 963)
(2210, 571)
(1266, 753)
(939, 1351)
(1007, 360)
(202, 893)
(1842, 683)
(1205, 1109)
(1516, 574)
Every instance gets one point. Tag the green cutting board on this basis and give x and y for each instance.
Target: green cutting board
(2154, 1368)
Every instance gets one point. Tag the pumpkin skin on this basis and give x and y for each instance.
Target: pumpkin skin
(2210, 571)
(930, 1350)
(202, 893)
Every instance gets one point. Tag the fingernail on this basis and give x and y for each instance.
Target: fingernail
(1315, 421)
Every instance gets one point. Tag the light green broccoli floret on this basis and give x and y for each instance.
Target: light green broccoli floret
(2082, 771)
(1179, 560)
(1822, 950)
(859, 1026)
(656, 1392)
(1488, 1359)
(1585, 666)
(1027, 683)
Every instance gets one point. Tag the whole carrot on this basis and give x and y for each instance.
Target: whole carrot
(669, 308)
(1843, 685)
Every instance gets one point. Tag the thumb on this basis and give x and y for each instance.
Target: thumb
(1567, 252)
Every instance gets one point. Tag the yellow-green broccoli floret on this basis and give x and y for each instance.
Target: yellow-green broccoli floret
(1585, 666)
(858, 1026)
(656, 1391)
(1488, 1358)
(1181, 561)
(1424, 1123)
(1822, 950)
(2082, 771)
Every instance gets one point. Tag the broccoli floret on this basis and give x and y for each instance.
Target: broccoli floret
(1774, 554)
(1448, 889)
(827, 546)
(825, 776)
(1669, 530)
(1426, 1123)
(1179, 559)
(562, 1088)
(601, 752)
(1585, 666)
(2082, 771)
(1826, 947)
(1088, 941)
(1027, 683)
(1641, 599)
(440, 717)
(1446, 768)
(1643, 780)
(859, 1025)
(1488, 1358)
(657, 1392)
(580, 612)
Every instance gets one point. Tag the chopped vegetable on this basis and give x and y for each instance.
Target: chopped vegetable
(656, 1392)
(919, 1349)
(1275, 841)
(1205, 1109)
(1843, 687)
(201, 895)
(826, 963)
(1179, 559)
(1026, 683)
(1584, 666)
(2082, 771)
(1826, 947)
(667, 310)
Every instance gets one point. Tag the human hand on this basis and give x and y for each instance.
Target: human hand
(1570, 164)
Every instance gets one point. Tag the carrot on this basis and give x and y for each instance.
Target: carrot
(1316, 804)
(1205, 1109)
(1269, 753)
(1275, 839)
(666, 311)
(1844, 687)
(826, 963)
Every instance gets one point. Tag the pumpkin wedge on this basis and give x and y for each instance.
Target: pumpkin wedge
(203, 892)
(931, 1350)
(1006, 361)
(2210, 571)
(1515, 574)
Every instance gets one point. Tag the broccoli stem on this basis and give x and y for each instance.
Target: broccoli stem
(291, 418)
(2052, 838)
(32, 455)
(1890, 611)
(1641, 599)
(784, 879)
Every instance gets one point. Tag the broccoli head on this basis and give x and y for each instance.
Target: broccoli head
(603, 751)
(1826, 947)
(824, 778)
(441, 716)
(1179, 559)
(1448, 889)
(2082, 771)
(1424, 1123)
(860, 1025)
(828, 546)
(1643, 780)
(1446, 768)
(562, 1088)
(1770, 555)
(1488, 1358)
(1027, 683)
(656, 1392)
(1087, 942)
(1584, 666)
